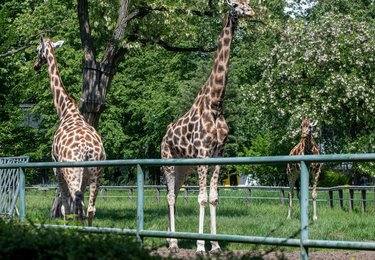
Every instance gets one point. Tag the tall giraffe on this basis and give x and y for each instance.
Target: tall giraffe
(307, 145)
(202, 131)
(74, 140)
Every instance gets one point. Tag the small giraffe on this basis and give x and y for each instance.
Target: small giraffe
(307, 145)
(74, 140)
(202, 132)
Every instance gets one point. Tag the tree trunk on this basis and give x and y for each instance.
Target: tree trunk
(97, 78)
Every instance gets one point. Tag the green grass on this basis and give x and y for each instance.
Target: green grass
(264, 217)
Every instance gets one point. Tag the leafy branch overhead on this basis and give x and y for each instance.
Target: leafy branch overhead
(26, 45)
(138, 65)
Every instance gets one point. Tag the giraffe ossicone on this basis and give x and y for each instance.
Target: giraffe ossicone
(57, 44)
(74, 140)
(202, 132)
(306, 145)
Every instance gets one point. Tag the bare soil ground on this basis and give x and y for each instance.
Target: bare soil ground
(242, 254)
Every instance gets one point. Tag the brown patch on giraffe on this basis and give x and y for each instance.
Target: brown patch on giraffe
(227, 41)
(219, 79)
(220, 69)
(53, 68)
(197, 143)
(69, 142)
(221, 56)
(177, 131)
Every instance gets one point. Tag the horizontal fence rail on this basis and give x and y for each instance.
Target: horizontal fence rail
(188, 190)
(304, 242)
(206, 161)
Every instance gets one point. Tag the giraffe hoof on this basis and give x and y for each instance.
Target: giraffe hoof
(215, 252)
(200, 254)
(173, 249)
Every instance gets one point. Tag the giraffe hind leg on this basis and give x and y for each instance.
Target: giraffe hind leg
(292, 177)
(78, 205)
(202, 201)
(213, 198)
(94, 189)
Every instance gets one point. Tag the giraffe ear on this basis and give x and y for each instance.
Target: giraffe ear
(57, 44)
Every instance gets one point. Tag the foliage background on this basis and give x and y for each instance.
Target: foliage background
(316, 62)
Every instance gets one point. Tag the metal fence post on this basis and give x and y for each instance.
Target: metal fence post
(186, 195)
(363, 201)
(341, 198)
(351, 200)
(282, 195)
(158, 195)
(140, 204)
(130, 194)
(22, 195)
(304, 210)
(330, 194)
(248, 196)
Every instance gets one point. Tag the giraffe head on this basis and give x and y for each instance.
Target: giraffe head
(241, 8)
(43, 51)
(307, 127)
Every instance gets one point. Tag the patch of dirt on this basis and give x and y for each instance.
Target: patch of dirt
(242, 254)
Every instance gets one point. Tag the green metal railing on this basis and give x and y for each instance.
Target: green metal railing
(304, 242)
(11, 181)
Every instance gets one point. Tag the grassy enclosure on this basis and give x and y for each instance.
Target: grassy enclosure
(263, 217)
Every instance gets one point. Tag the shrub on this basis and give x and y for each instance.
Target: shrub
(19, 241)
(331, 178)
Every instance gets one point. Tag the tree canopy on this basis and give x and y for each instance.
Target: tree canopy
(285, 64)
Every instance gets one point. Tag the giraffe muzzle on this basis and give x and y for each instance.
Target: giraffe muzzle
(37, 66)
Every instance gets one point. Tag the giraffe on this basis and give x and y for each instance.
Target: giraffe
(74, 140)
(202, 132)
(307, 145)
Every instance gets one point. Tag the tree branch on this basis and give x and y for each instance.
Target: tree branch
(25, 46)
(169, 47)
(14, 51)
(145, 10)
(85, 31)
(112, 50)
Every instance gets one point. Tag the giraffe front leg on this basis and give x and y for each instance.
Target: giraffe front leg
(314, 193)
(202, 201)
(291, 179)
(169, 172)
(215, 248)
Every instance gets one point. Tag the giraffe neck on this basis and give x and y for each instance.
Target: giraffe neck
(63, 102)
(308, 144)
(214, 89)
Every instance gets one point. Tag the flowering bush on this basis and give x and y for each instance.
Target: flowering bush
(323, 69)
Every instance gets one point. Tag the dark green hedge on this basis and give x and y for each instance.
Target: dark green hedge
(20, 241)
